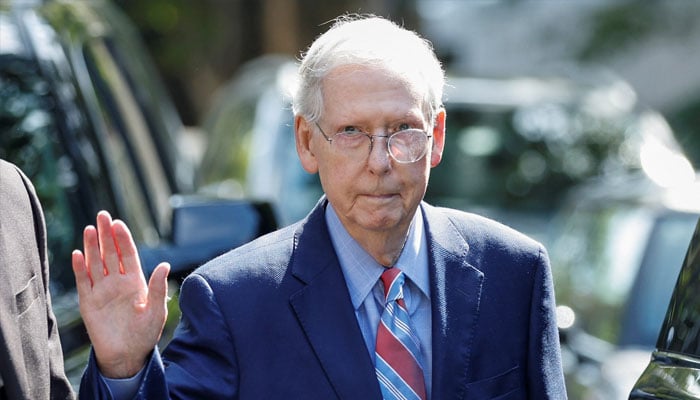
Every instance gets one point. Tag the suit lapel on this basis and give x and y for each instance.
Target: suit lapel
(456, 291)
(325, 312)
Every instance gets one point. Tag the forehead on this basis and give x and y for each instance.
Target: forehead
(355, 88)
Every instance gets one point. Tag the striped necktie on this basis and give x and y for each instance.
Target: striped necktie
(398, 350)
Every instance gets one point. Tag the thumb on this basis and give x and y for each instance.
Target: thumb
(158, 284)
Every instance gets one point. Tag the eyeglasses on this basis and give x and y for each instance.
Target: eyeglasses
(404, 146)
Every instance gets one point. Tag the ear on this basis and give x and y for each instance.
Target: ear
(438, 138)
(303, 133)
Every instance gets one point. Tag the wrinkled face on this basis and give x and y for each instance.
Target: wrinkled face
(370, 191)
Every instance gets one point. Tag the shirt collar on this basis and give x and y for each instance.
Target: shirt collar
(362, 272)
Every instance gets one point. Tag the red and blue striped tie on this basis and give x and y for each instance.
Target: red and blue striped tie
(398, 350)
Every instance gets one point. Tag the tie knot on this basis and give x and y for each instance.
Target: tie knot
(393, 279)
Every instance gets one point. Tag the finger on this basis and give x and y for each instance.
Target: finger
(93, 259)
(128, 253)
(82, 278)
(108, 248)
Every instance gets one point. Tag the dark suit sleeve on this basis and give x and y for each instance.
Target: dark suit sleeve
(37, 370)
(152, 385)
(198, 363)
(60, 387)
(545, 380)
(201, 359)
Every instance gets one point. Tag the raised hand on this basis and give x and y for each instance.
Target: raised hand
(123, 315)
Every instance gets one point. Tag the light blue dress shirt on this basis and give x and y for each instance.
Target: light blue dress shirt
(362, 274)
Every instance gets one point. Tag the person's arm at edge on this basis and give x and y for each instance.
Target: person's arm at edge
(60, 387)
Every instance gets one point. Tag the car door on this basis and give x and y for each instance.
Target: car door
(674, 369)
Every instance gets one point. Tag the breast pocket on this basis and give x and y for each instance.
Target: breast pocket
(508, 385)
(28, 295)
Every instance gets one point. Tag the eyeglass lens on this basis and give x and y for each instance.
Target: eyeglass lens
(404, 146)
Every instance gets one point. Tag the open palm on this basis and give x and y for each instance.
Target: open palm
(123, 315)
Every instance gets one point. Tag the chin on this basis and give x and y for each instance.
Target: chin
(384, 223)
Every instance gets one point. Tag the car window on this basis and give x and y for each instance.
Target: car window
(132, 118)
(616, 263)
(130, 141)
(526, 156)
(478, 162)
(128, 54)
(681, 329)
(663, 257)
(251, 146)
(31, 136)
(595, 258)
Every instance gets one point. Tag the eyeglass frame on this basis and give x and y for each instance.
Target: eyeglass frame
(388, 140)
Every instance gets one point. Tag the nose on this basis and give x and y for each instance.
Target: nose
(379, 160)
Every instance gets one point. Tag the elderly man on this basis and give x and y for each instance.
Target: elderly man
(375, 294)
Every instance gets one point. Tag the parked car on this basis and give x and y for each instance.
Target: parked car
(674, 369)
(514, 146)
(83, 114)
(250, 150)
(616, 250)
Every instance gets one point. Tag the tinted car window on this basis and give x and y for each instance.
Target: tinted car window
(646, 305)
(30, 118)
(129, 144)
(674, 369)
(616, 263)
(615, 252)
(681, 329)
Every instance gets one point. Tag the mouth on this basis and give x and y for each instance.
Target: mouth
(381, 196)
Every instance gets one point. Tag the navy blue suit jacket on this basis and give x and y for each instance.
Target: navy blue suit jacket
(273, 320)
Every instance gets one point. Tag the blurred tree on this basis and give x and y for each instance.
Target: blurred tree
(198, 45)
(624, 25)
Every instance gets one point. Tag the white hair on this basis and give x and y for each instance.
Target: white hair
(374, 42)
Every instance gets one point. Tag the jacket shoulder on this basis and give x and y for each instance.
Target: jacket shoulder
(474, 226)
(483, 233)
(267, 255)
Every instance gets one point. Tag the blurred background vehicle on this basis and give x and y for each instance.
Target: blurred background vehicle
(651, 45)
(514, 148)
(83, 114)
(617, 248)
(674, 369)
(249, 148)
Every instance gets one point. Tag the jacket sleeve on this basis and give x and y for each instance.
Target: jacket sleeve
(151, 385)
(200, 360)
(546, 380)
(59, 385)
